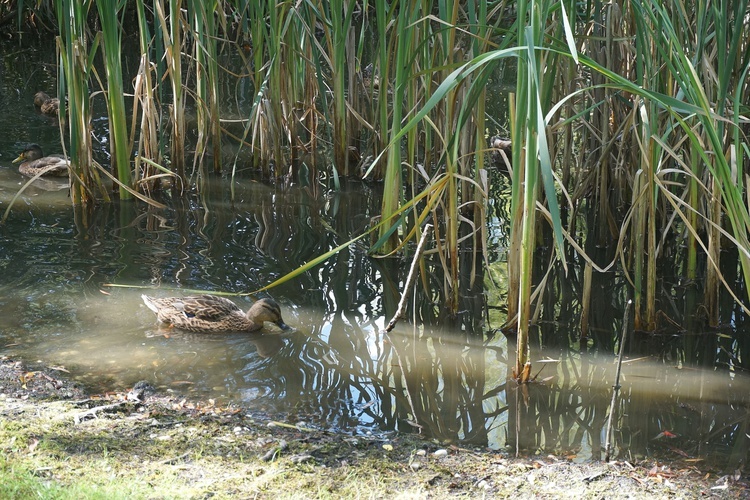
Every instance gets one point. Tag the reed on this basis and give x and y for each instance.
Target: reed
(338, 38)
(171, 34)
(693, 124)
(119, 143)
(149, 148)
(76, 64)
(393, 195)
(204, 15)
(532, 162)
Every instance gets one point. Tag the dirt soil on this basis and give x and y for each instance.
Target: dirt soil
(58, 442)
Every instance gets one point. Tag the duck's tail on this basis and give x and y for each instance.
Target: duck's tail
(150, 303)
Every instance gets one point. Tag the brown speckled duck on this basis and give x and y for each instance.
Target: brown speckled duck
(212, 314)
(46, 104)
(34, 162)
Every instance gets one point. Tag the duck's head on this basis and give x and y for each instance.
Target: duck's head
(40, 98)
(33, 152)
(266, 310)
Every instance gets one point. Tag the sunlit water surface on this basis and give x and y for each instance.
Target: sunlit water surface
(336, 370)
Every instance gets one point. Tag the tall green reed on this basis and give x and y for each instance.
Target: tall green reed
(204, 15)
(337, 37)
(392, 195)
(172, 36)
(120, 146)
(76, 65)
(144, 98)
(696, 124)
(533, 167)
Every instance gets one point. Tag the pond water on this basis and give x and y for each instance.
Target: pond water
(336, 370)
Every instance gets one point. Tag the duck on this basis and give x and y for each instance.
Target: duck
(46, 104)
(33, 162)
(213, 314)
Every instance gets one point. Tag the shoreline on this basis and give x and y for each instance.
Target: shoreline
(59, 442)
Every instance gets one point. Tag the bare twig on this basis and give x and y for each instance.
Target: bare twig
(92, 413)
(402, 308)
(409, 280)
(616, 387)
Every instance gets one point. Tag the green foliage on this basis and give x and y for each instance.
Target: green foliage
(112, 48)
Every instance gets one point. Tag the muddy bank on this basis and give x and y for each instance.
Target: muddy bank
(57, 441)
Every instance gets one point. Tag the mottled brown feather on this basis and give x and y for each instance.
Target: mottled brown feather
(210, 313)
(34, 162)
(46, 104)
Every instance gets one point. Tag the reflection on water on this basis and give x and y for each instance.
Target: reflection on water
(336, 370)
(446, 379)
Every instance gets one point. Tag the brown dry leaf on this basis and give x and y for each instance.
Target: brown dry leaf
(25, 377)
(637, 479)
(679, 452)
(526, 372)
(667, 473)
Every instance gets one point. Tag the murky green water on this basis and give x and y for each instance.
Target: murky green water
(336, 370)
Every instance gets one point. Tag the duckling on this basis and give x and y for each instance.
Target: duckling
(48, 105)
(212, 314)
(34, 162)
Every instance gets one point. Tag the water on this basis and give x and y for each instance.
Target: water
(337, 370)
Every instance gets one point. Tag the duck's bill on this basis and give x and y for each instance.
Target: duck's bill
(21, 157)
(283, 325)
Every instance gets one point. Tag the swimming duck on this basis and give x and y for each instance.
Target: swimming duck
(34, 162)
(48, 105)
(212, 314)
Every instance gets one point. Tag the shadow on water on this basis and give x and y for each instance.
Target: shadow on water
(683, 392)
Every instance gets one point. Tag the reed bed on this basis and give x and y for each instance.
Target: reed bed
(632, 112)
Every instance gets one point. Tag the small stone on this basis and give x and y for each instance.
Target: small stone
(415, 466)
(421, 453)
(440, 453)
